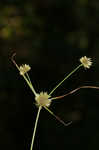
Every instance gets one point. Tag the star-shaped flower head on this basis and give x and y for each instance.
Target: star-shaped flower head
(42, 99)
(86, 62)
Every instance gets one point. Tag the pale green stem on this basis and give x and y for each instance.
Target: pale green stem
(30, 85)
(28, 78)
(59, 119)
(35, 127)
(65, 78)
(28, 81)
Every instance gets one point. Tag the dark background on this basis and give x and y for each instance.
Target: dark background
(50, 36)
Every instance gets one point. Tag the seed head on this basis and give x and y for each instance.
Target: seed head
(24, 69)
(42, 99)
(86, 62)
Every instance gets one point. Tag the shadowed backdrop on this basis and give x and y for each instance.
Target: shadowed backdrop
(50, 36)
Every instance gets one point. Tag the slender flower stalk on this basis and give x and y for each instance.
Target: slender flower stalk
(75, 90)
(30, 85)
(86, 62)
(22, 72)
(66, 78)
(35, 127)
(59, 119)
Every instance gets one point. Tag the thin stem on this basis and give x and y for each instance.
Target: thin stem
(65, 78)
(35, 127)
(75, 90)
(30, 85)
(27, 79)
(59, 119)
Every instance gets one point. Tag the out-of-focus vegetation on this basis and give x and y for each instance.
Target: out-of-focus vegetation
(51, 36)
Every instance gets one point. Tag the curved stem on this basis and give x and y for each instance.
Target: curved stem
(35, 127)
(65, 78)
(58, 118)
(73, 91)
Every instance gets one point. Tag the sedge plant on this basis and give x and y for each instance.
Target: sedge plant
(44, 99)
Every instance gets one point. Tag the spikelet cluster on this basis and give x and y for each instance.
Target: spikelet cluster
(24, 69)
(86, 62)
(43, 99)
